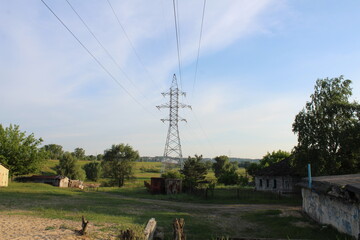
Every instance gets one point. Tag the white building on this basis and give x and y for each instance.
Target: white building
(4, 176)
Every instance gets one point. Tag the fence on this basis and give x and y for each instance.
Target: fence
(242, 194)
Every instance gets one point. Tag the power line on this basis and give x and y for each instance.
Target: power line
(93, 56)
(177, 42)
(105, 50)
(198, 52)
(129, 40)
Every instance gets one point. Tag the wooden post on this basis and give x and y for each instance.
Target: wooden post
(178, 226)
(150, 229)
(84, 226)
(127, 235)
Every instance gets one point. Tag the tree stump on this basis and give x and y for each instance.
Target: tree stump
(84, 226)
(178, 228)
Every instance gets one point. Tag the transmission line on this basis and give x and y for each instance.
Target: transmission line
(198, 52)
(177, 33)
(130, 42)
(104, 49)
(93, 56)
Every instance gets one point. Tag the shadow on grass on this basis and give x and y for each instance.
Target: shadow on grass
(290, 227)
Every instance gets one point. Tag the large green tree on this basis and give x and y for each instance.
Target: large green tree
(220, 165)
(328, 130)
(267, 160)
(194, 170)
(93, 170)
(118, 162)
(273, 157)
(79, 153)
(68, 167)
(20, 152)
(225, 171)
(54, 151)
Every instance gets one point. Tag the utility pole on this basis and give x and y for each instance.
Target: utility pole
(173, 145)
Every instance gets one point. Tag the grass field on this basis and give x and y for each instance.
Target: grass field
(132, 206)
(202, 222)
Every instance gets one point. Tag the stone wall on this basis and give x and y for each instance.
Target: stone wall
(341, 214)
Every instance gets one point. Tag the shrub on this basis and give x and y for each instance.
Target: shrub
(174, 174)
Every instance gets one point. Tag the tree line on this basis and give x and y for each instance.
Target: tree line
(327, 128)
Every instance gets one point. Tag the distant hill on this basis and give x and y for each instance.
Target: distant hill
(251, 160)
(239, 160)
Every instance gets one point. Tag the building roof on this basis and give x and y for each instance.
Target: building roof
(342, 186)
(3, 166)
(281, 168)
(46, 177)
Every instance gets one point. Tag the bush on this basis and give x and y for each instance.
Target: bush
(229, 177)
(172, 174)
(93, 170)
(68, 167)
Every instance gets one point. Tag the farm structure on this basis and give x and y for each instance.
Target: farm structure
(57, 181)
(334, 200)
(4, 176)
(278, 177)
(165, 186)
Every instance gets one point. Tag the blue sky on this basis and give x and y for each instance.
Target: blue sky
(258, 64)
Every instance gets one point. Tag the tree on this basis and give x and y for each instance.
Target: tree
(220, 164)
(274, 157)
(118, 163)
(19, 152)
(99, 157)
(229, 176)
(54, 151)
(328, 130)
(253, 168)
(79, 153)
(68, 167)
(93, 170)
(194, 170)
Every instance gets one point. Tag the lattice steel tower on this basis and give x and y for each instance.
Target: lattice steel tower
(173, 145)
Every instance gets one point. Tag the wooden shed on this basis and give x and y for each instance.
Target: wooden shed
(173, 186)
(4, 176)
(157, 185)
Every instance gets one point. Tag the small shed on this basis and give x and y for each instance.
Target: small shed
(173, 186)
(57, 181)
(157, 185)
(4, 176)
(279, 177)
(334, 200)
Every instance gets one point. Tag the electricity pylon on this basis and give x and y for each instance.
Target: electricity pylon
(173, 145)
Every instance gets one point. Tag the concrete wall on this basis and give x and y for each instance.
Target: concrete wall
(4, 176)
(284, 184)
(325, 209)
